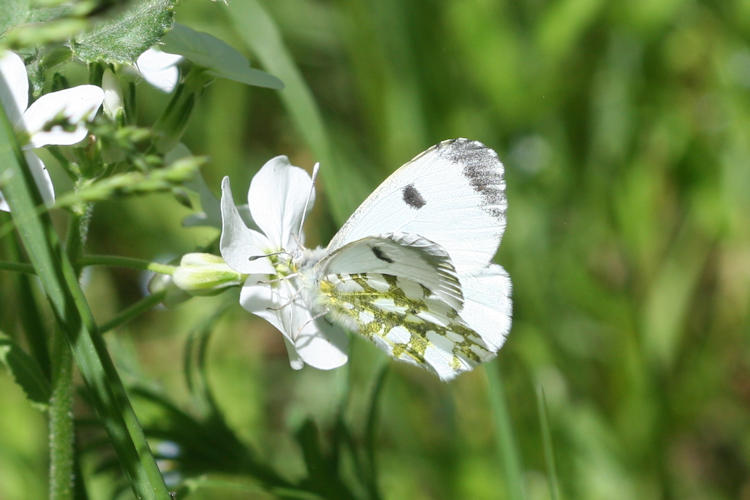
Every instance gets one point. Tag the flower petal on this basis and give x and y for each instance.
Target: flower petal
(14, 85)
(159, 69)
(315, 341)
(75, 104)
(295, 361)
(42, 179)
(321, 344)
(277, 198)
(239, 243)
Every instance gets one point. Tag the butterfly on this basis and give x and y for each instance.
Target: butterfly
(411, 270)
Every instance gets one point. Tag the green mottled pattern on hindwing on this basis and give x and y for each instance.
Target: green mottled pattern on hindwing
(402, 317)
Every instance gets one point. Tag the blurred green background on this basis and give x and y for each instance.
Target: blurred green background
(624, 128)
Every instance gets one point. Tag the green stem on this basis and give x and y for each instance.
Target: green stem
(59, 281)
(61, 429)
(20, 267)
(116, 261)
(98, 260)
(61, 426)
(172, 123)
(134, 310)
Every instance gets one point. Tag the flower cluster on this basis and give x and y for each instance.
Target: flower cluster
(57, 118)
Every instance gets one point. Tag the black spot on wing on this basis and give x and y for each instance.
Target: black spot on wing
(412, 197)
(380, 254)
(482, 168)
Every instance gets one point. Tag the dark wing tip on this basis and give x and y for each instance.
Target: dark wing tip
(482, 168)
(467, 151)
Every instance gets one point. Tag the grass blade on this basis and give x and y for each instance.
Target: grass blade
(549, 452)
(60, 284)
(257, 29)
(506, 445)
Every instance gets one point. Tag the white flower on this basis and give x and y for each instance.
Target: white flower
(279, 196)
(159, 68)
(41, 122)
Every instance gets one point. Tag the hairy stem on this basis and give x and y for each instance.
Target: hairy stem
(59, 280)
(61, 429)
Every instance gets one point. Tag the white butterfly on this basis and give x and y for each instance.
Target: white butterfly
(410, 270)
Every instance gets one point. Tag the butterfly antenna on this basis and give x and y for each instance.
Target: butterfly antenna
(309, 196)
(256, 257)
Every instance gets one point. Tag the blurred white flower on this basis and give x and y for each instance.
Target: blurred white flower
(159, 68)
(57, 118)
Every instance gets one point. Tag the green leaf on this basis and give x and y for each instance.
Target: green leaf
(26, 372)
(59, 280)
(222, 60)
(126, 32)
(14, 12)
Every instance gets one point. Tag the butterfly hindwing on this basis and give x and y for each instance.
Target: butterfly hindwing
(405, 319)
(404, 255)
(453, 194)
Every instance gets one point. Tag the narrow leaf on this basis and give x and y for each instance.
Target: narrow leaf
(549, 452)
(60, 283)
(506, 444)
(222, 60)
(26, 372)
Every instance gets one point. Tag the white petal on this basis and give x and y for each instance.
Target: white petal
(295, 361)
(315, 342)
(75, 104)
(159, 69)
(487, 304)
(259, 298)
(14, 86)
(322, 345)
(239, 244)
(277, 197)
(41, 177)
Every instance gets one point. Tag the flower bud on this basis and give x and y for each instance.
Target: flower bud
(205, 274)
(112, 96)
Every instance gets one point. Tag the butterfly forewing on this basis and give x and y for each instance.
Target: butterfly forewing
(405, 319)
(453, 194)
